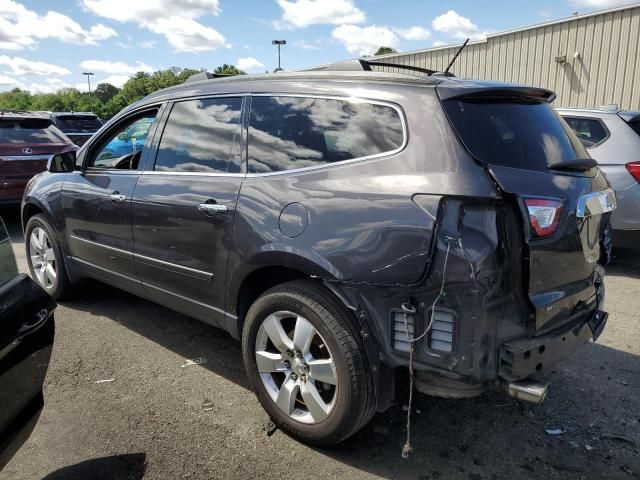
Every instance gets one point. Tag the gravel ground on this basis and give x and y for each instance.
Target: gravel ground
(154, 419)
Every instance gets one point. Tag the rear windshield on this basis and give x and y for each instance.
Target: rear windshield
(526, 135)
(30, 131)
(78, 123)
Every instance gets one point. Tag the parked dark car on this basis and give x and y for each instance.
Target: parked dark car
(330, 220)
(26, 339)
(27, 140)
(78, 126)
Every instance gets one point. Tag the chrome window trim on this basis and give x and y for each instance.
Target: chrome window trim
(201, 273)
(108, 171)
(200, 174)
(11, 158)
(350, 99)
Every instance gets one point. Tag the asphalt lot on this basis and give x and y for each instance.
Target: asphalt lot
(154, 419)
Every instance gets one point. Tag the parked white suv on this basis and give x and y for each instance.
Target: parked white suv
(612, 138)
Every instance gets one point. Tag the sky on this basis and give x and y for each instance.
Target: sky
(47, 45)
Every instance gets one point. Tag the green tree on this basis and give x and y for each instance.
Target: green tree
(105, 92)
(385, 51)
(15, 99)
(229, 70)
(106, 100)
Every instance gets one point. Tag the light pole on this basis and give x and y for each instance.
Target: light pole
(89, 74)
(278, 43)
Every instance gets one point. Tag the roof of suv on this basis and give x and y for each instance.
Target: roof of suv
(22, 114)
(208, 86)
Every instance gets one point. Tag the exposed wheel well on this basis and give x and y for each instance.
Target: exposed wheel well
(258, 282)
(29, 211)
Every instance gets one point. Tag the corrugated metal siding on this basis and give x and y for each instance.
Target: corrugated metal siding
(606, 70)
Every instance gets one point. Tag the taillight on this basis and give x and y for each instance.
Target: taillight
(634, 170)
(544, 215)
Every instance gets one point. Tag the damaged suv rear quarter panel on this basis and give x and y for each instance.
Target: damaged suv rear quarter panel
(374, 247)
(389, 240)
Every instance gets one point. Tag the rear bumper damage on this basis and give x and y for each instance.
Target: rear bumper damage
(524, 357)
(484, 328)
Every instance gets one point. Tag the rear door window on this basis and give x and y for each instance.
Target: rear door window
(30, 131)
(200, 136)
(590, 131)
(518, 134)
(288, 133)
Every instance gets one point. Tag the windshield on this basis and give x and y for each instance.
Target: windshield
(30, 131)
(78, 123)
(512, 133)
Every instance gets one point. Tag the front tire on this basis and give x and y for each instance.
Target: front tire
(306, 364)
(45, 257)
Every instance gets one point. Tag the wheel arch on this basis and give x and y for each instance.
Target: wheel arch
(248, 287)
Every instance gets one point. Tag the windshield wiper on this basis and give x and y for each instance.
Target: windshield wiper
(580, 164)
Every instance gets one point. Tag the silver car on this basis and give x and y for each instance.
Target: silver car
(612, 138)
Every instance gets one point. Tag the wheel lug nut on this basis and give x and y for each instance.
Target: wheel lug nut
(287, 363)
(289, 353)
(294, 377)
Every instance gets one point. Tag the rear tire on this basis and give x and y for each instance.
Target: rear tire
(45, 257)
(306, 364)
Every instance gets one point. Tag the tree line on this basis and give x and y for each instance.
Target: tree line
(106, 100)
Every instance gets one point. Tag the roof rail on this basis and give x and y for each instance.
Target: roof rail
(365, 65)
(204, 75)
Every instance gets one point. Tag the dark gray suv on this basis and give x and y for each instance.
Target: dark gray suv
(343, 225)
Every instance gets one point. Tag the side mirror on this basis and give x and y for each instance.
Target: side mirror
(62, 162)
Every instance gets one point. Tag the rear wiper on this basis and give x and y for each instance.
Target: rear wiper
(580, 164)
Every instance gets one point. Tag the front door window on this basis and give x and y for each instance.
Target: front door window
(123, 148)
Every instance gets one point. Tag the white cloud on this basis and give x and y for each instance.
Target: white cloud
(457, 26)
(250, 64)
(364, 40)
(175, 19)
(22, 66)
(303, 13)
(6, 81)
(115, 80)
(118, 68)
(600, 4)
(439, 43)
(22, 28)
(187, 35)
(413, 33)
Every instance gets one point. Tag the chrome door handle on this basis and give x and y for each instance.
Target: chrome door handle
(212, 208)
(116, 197)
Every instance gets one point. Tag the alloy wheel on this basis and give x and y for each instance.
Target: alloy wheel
(43, 258)
(296, 367)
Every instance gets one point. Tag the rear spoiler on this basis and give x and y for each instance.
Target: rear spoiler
(485, 91)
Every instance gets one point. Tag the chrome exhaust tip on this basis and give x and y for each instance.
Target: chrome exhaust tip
(527, 391)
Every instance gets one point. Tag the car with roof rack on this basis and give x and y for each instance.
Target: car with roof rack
(612, 138)
(27, 140)
(345, 225)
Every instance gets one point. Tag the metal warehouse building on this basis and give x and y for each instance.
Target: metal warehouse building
(588, 60)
